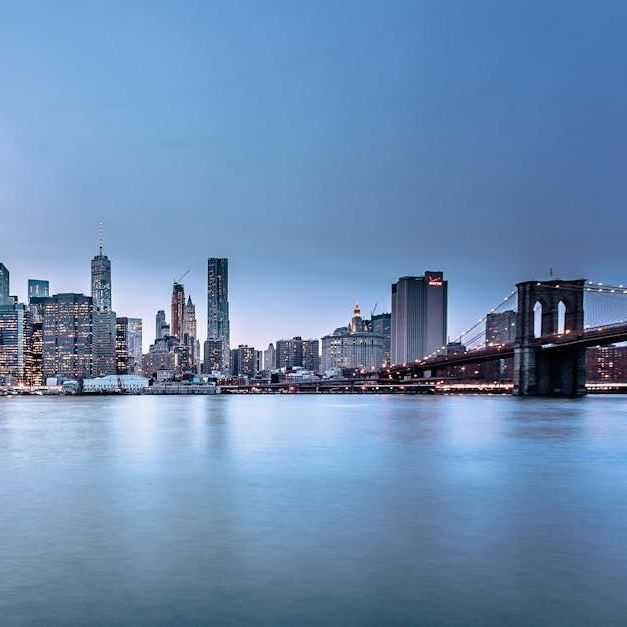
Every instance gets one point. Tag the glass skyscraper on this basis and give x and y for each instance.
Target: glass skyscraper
(218, 328)
(4, 284)
(38, 288)
(101, 281)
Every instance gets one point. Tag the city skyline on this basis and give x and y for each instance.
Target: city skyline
(290, 153)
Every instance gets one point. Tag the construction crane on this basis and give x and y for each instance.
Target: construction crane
(373, 310)
(182, 276)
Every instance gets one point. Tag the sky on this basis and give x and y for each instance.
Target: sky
(325, 148)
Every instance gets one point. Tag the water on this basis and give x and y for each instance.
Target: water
(304, 510)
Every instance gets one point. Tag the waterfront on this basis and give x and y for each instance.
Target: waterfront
(313, 510)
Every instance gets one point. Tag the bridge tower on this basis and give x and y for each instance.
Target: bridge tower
(537, 370)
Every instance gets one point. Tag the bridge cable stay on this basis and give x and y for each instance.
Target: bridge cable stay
(474, 337)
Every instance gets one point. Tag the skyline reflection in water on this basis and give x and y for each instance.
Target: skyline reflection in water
(313, 510)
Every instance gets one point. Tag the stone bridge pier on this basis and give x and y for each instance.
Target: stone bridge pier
(541, 371)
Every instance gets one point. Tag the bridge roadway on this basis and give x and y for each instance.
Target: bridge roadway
(596, 336)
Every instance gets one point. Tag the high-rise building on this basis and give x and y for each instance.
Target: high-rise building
(607, 364)
(348, 348)
(218, 326)
(190, 332)
(37, 353)
(311, 355)
(101, 281)
(36, 291)
(177, 320)
(160, 324)
(104, 343)
(135, 333)
(419, 316)
(121, 346)
(213, 359)
(244, 361)
(381, 324)
(15, 343)
(289, 353)
(67, 336)
(500, 327)
(38, 288)
(4, 285)
(269, 358)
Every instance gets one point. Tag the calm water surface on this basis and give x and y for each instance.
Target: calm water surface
(313, 510)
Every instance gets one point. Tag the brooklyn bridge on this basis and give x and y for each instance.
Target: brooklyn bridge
(556, 321)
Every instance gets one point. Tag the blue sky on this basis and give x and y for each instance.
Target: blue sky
(326, 148)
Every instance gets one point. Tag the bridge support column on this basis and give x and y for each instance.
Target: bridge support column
(525, 379)
(555, 373)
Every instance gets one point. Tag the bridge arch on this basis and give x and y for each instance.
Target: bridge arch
(561, 317)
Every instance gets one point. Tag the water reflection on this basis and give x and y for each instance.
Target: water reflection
(322, 510)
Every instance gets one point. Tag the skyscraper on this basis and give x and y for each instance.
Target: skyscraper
(101, 281)
(218, 327)
(269, 358)
(4, 284)
(419, 313)
(177, 319)
(121, 346)
(135, 333)
(381, 324)
(37, 288)
(104, 343)
(190, 332)
(500, 327)
(160, 324)
(104, 319)
(15, 342)
(67, 336)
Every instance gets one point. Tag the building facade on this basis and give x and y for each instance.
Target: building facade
(381, 324)
(348, 348)
(419, 316)
(244, 361)
(606, 364)
(177, 312)
(67, 336)
(38, 288)
(269, 358)
(500, 328)
(160, 324)
(101, 282)
(4, 284)
(104, 342)
(218, 324)
(15, 343)
(135, 339)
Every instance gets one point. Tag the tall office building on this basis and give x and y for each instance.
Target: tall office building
(38, 288)
(218, 327)
(244, 361)
(269, 359)
(15, 343)
(289, 353)
(190, 332)
(121, 346)
(67, 336)
(177, 319)
(103, 343)
(101, 281)
(419, 314)
(160, 324)
(381, 324)
(500, 328)
(4, 285)
(311, 355)
(213, 359)
(135, 339)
